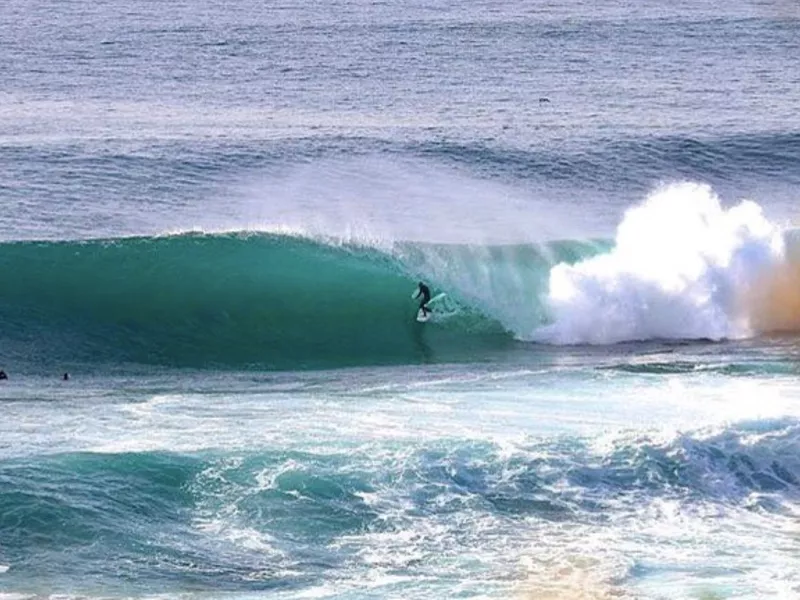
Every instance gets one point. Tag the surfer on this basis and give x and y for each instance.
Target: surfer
(3, 375)
(424, 293)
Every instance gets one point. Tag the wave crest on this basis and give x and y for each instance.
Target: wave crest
(682, 268)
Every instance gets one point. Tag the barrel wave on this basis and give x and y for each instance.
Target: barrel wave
(256, 300)
(682, 266)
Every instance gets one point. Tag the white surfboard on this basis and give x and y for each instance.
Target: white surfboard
(422, 316)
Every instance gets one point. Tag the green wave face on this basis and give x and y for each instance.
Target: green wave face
(258, 301)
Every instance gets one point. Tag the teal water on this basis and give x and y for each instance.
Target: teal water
(378, 483)
(255, 301)
(214, 216)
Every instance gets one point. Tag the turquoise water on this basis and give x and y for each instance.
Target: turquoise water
(379, 483)
(214, 217)
(257, 301)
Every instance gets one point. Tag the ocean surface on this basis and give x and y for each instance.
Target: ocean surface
(213, 216)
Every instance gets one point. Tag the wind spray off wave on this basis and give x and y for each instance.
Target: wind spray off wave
(682, 267)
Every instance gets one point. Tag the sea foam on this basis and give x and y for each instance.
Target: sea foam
(682, 267)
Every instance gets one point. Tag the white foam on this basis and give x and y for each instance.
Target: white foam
(679, 269)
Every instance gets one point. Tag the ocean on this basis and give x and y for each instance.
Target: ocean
(214, 216)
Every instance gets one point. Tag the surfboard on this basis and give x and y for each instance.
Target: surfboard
(436, 298)
(421, 316)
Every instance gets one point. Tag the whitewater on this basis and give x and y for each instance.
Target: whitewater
(213, 220)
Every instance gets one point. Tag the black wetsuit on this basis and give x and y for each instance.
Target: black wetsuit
(425, 292)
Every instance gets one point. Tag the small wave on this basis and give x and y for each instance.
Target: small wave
(636, 163)
(275, 518)
(740, 369)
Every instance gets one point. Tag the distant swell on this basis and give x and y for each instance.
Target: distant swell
(637, 162)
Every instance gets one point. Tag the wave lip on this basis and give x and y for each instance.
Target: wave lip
(681, 268)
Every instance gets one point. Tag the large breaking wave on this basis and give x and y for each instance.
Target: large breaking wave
(265, 300)
(682, 266)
